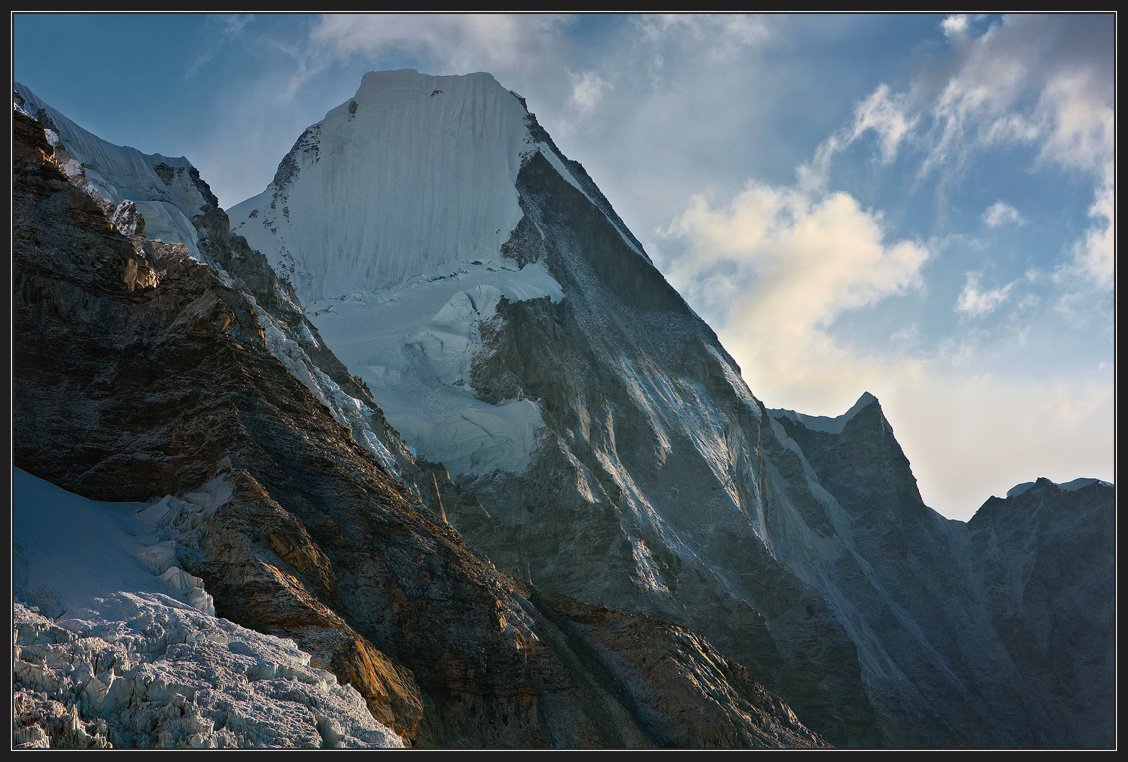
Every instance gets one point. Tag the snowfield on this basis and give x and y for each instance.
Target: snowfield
(414, 344)
(349, 193)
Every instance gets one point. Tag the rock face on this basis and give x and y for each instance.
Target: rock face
(910, 582)
(126, 389)
(510, 325)
(1045, 556)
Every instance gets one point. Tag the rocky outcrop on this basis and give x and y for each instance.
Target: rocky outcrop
(124, 393)
(128, 220)
(1045, 557)
(1004, 624)
(908, 576)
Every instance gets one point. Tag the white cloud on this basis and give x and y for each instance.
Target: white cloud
(463, 42)
(503, 44)
(1045, 81)
(773, 269)
(975, 301)
(222, 28)
(1076, 111)
(1001, 213)
(882, 112)
(587, 92)
(1093, 257)
(954, 24)
(724, 32)
(1096, 253)
(796, 261)
(885, 114)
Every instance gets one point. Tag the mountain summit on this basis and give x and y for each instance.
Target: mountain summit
(412, 176)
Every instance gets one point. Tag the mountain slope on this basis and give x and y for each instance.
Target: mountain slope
(141, 371)
(910, 581)
(1045, 556)
(616, 455)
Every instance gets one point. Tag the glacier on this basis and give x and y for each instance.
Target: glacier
(388, 217)
(114, 645)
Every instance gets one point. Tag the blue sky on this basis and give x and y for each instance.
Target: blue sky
(916, 205)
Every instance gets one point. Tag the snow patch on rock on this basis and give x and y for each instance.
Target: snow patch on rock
(1070, 486)
(1082, 483)
(414, 344)
(347, 410)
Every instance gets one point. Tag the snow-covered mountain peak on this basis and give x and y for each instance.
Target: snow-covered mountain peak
(828, 424)
(472, 108)
(167, 190)
(413, 175)
(399, 221)
(413, 79)
(1042, 482)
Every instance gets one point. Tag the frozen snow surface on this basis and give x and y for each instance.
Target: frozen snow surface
(68, 551)
(113, 644)
(160, 186)
(1076, 484)
(1070, 486)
